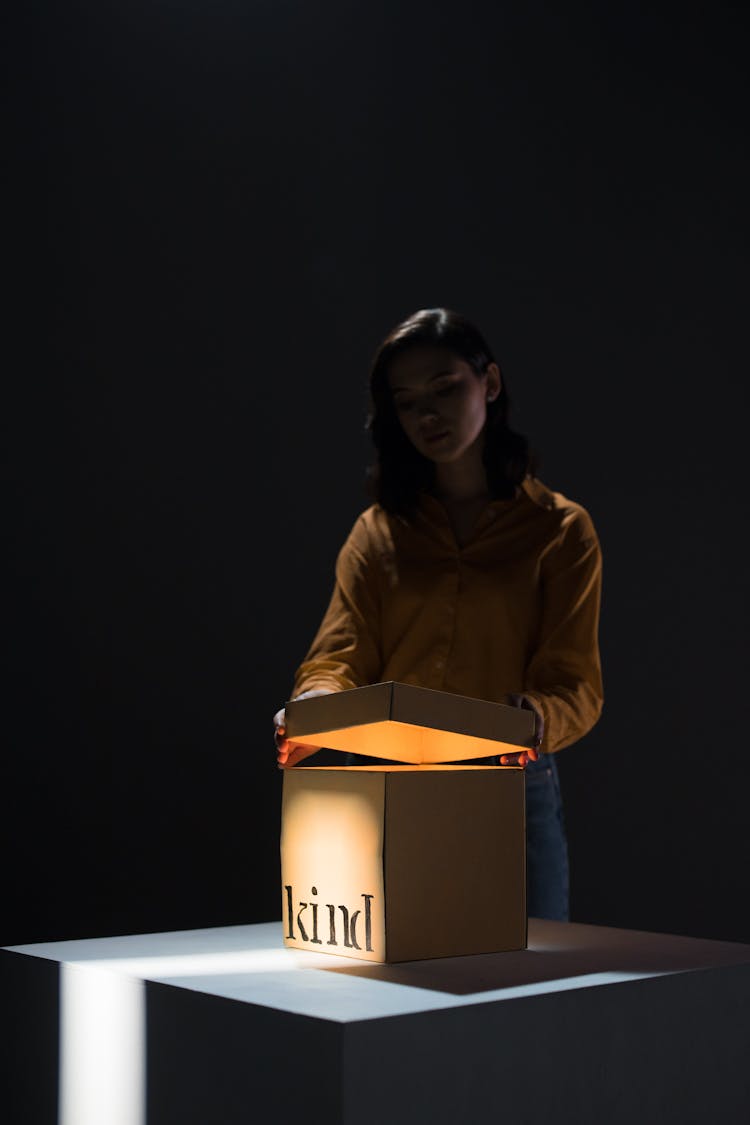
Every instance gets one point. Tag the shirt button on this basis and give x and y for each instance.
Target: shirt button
(439, 664)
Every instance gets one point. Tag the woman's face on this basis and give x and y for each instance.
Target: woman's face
(441, 402)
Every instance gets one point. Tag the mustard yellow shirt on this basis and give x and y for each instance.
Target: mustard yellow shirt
(515, 610)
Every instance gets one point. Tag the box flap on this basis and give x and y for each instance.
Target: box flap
(410, 724)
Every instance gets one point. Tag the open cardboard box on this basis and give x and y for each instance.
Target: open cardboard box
(415, 860)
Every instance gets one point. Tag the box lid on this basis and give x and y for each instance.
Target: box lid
(410, 724)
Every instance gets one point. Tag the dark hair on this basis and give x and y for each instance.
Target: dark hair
(399, 472)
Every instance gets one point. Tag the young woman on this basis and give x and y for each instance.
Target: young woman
(466, 573)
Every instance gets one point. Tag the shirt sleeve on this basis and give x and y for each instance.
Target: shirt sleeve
(563, 676)
(345, 652)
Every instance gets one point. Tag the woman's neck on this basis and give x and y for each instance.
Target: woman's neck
(461, 482)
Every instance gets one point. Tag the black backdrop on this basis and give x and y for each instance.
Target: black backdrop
(220, 210)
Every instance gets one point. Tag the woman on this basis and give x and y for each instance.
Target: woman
(466, 574)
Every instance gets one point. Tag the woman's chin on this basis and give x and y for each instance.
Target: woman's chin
(441, 450)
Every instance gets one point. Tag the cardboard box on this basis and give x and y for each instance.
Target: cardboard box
(405, 863)
(410, 861)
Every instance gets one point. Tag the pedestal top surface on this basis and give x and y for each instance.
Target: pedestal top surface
(249, 963)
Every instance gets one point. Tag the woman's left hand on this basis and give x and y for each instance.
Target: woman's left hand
(530, 753)
(522, 758)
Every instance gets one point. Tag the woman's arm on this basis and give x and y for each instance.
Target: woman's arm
(345, 652)
(563, 677)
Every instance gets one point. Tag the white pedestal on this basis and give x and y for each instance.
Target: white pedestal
(225, 1027)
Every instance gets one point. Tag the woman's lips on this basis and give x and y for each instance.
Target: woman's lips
(430, 438)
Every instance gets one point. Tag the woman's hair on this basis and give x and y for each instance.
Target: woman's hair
(399, 472)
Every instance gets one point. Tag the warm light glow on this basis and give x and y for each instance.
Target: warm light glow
(331, 862)
(405, 742)
(409, 769)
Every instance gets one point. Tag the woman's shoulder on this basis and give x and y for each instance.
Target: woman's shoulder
(369, 517)
(377, 532)
(369, 526)
(569, 513)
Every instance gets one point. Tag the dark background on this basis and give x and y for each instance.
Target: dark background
(218, 211)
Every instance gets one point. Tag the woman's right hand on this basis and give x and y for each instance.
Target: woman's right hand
(289, 753)
(279, 736)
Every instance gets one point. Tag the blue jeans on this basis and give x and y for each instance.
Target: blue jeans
(547, 877)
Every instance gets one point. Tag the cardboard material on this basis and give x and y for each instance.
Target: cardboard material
(412, 861)
(403, 863)
(409, 724)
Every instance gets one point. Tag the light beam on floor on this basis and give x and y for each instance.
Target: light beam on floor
(102, 1047)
